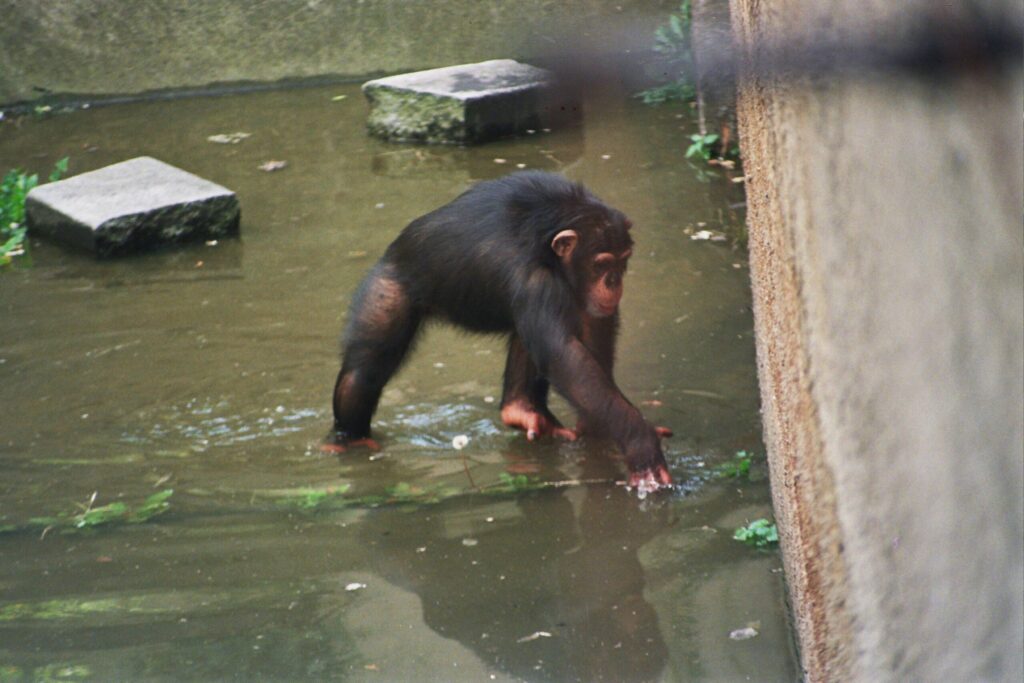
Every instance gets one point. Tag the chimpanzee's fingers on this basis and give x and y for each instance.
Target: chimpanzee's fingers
(650, 480)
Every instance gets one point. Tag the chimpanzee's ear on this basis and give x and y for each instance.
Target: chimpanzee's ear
(564, 244)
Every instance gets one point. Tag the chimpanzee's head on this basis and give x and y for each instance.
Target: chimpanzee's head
(594, 251)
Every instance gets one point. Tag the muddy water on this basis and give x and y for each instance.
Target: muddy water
(208, 370)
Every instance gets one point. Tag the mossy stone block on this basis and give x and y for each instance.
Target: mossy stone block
(132, 206)
(468, 104)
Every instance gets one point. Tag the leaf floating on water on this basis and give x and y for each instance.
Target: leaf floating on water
(469, 542)
(338, 98)
(355, 586)
(534, 636)
(272, 165)
(229, 138)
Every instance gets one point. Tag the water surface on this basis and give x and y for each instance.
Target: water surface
(209, 369)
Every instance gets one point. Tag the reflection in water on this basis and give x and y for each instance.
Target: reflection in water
(208, 370)
(540, 151)
(546, 587)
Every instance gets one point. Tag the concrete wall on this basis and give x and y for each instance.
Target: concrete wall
(887, 255)
(102, 47)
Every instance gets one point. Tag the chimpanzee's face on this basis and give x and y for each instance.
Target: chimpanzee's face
(604, 277)
(595, 253)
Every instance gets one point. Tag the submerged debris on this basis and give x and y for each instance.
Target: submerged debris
(272, 165)
(229, 138)
(743, 633)
(709, 236)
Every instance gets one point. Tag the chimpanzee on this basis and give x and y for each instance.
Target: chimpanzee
(534, 256)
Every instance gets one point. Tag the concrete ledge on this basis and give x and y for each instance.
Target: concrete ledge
(887, 262)
(467, 104)
(131, 206)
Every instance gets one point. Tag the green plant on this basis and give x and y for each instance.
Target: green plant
(677, 91)
(14, 187)
(672, 43)
(514, 484)
(738, 467)
(50, 673)
(151, 507)
(310, 498)
(88, 517)
(701, 145)
(759, 534)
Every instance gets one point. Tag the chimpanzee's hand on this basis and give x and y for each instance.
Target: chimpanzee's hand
(648, 480)
(648, 470)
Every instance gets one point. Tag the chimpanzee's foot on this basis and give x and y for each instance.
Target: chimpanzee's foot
(536, 423)
(339, 442)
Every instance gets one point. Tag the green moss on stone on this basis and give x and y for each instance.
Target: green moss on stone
(411, 116)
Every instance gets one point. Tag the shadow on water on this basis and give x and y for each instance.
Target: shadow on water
(208, 370)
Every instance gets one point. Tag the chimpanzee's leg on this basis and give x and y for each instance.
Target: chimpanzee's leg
(381, 327)
(524, 398)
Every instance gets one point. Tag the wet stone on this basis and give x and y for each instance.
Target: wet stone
(132, 206)
(468, 104)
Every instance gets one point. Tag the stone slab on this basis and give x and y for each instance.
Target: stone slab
(132, 206)
(469, 103)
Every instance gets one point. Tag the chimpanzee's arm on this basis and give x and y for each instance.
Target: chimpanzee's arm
(548, 324)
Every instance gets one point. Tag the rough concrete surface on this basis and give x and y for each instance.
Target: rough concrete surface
(131, 206)
(97, 47)
(468, 103)
(888, 273)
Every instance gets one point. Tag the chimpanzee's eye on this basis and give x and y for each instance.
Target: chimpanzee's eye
(603, 262)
